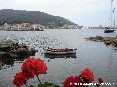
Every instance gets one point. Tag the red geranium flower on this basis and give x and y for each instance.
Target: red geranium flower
(73, 82)
(33, 66)
(88, 74)
(68, 81)
(19, 79)
(100, 80)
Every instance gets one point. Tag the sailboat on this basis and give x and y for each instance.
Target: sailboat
(110, 29)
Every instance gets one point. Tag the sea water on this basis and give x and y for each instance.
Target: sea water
(101, 59)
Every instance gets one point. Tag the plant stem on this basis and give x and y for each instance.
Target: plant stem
(26, 85)
(39, 80)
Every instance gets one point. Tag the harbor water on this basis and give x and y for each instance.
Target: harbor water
(101, 59)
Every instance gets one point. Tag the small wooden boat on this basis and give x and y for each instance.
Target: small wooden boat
(53, 56)
(60, 51)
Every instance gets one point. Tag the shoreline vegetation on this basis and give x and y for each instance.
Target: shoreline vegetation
(25, 20)
(22, 19)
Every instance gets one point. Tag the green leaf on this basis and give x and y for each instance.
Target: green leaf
(31, 85)
(55, 86)
(49, 84)
(39, 85)
(42, 85)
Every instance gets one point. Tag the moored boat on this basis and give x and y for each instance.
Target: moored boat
(111, 29)
(108, 30)
(36, 29)
(60, 51)
(53, 56)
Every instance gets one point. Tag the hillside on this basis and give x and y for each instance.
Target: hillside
(18, 16)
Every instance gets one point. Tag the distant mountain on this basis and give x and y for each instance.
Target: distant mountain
(22, 16)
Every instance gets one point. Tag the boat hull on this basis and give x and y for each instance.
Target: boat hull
(50, 52)
(53, 56)
(108, 31)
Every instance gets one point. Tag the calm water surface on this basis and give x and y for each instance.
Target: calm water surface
(101, 59)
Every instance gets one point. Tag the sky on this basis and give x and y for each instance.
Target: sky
(87, 13)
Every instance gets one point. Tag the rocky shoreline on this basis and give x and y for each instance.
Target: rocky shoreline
(14, 49)
(107, 40)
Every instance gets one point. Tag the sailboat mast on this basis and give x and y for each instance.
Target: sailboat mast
(111, 13)
(114, 23)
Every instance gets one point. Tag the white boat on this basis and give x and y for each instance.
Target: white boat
(108, 30)
(60, 51)
(111, 29)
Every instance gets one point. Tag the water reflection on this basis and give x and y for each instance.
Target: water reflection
(53, 56)
(9, 62)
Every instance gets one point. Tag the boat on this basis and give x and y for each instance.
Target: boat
(31, 29)
(60, 51)
(107, 29)
(53, 56)
(36, 29)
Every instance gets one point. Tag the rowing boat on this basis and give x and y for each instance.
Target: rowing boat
(53, 56)
(60, 51)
